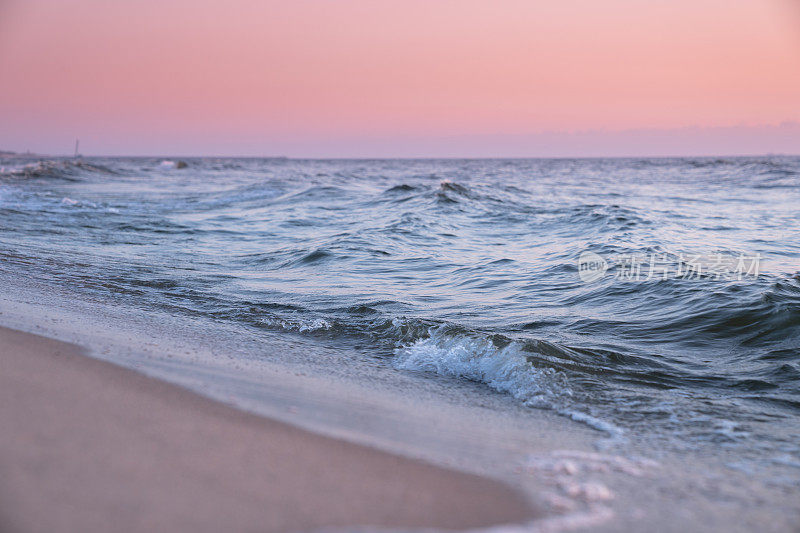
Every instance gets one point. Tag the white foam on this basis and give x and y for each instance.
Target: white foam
(577, 462)
(613, 431)
(82, 203)
(505, 369)
(302, 326)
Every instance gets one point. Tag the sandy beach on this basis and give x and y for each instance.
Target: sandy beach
(89, 446)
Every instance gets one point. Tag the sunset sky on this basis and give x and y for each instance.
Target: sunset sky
(400, 78)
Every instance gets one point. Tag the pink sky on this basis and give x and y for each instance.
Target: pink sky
(400, 78)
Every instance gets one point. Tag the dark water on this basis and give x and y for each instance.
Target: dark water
(465, 268)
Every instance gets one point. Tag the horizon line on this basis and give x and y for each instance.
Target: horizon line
(375, 158)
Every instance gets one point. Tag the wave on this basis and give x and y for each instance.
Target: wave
(60, 169)
(450, 192)
(546, 373)
(505, 367)
(510, 367)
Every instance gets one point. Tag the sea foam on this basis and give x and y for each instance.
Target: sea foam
(504, 369)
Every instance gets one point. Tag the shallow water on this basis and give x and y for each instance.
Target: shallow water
(467, 268)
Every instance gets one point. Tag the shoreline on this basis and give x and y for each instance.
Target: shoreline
(573, 475)
(88, 445)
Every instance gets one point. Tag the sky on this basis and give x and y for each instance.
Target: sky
(406, 78)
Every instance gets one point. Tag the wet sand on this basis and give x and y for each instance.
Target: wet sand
(89, 446)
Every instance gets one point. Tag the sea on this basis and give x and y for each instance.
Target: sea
(639, 296)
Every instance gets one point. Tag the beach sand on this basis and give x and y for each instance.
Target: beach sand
(87, 446)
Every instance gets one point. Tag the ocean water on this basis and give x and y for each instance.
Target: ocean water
(637, 295)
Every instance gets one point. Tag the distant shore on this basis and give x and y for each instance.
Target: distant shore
(87, 445)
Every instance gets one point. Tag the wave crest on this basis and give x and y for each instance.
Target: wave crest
(54, 169)
(504, 368)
